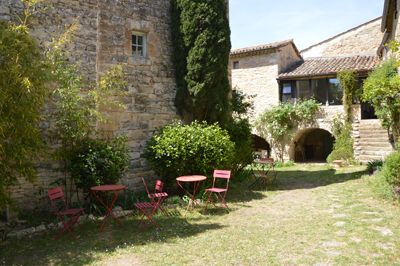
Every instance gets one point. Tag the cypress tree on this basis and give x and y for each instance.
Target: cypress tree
(201, 39)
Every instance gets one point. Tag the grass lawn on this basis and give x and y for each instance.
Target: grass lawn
(314, 216)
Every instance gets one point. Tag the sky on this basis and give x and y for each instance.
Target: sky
(308, 22)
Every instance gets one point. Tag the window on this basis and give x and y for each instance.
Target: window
(303, 89)
(335, 92)
(235, 64)
(320, 89)
(138, 44)
(286, 92)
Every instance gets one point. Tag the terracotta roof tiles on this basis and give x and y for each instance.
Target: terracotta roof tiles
(323, 66)
(260, 48)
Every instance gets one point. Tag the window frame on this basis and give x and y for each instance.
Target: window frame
(134, 46)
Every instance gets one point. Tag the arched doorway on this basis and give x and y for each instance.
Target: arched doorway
(311, 145)
(261, 145)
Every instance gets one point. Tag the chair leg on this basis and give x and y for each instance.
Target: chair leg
(149, 217)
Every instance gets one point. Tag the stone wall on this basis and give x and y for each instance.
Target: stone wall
(102, 40)
(364, 39)
(257, 77)
(257, 74)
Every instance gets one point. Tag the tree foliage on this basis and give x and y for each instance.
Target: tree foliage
(382, 90)
(279, 123)
(23, 91)
(201, 38)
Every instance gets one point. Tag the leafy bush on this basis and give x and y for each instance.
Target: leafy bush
(279, 164)
(374, 165)
(343, 146)
(97, 162)
(197, 148)
(391, 169)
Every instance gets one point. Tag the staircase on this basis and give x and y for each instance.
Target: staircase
(371, 141)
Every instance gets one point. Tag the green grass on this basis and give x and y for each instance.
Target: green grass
(312, 215)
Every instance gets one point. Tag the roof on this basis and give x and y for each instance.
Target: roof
(325, 66)
(338, 35)
(264, 48)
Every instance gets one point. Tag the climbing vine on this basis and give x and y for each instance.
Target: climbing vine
(348, 82)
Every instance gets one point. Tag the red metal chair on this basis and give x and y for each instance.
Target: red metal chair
(68, 216)
(148, 209)
(220, 192)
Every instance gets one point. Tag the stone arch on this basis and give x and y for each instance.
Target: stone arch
(311, 145)
(260, 144)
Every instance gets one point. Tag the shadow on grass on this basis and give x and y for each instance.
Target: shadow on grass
(303, 179)
(88, 241)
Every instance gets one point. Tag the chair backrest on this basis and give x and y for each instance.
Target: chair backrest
(159, 186)
(145, 186)
(222, 174)
(56, 196)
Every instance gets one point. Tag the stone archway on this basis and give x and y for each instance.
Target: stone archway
(260, 144)
(311, 145)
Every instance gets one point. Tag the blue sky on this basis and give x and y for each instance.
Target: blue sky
(308, 22)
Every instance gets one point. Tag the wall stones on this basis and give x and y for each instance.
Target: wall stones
(103, 38)
(364, 39)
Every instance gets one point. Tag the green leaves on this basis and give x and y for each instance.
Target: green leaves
(201, 37)
(348, 81)
(23, 91)
(99, 162)
(189, 149)
(382, 89)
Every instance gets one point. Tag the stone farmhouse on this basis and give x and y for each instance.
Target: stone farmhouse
(133, 32)
(277, 72)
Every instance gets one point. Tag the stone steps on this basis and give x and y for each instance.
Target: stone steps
(370, 141)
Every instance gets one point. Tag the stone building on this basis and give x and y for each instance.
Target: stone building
(390, 25)
(313, 74)
(255, 70)
(133, 32)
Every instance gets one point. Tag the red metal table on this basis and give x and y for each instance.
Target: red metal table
(196, 180)
(115, 189)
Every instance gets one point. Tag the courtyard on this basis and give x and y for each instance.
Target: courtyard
(314, 215)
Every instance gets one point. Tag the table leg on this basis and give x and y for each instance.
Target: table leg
(109, 208)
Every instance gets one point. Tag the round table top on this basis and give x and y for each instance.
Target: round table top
(108, 188)
(191, 178)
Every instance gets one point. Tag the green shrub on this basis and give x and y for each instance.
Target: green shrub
(197, 148)
(97, 162)
(343, 146)
(391, 169)
(240, 133)
(279, 164)
(374, 165)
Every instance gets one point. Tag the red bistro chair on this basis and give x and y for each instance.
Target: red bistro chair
(68, 216)
(158, 196)
(220, 192)
(148, 209)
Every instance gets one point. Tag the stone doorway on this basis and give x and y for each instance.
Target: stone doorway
(311, 145)
(260, 146)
